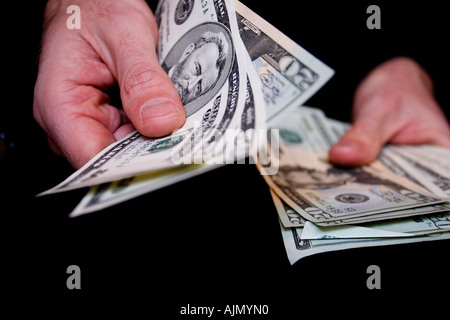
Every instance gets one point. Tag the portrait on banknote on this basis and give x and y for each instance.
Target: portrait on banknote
(198, 69)
(302, 177)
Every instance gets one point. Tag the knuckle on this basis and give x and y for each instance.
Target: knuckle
(142, 76)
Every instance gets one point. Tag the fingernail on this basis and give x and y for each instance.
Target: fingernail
(158, 108)
(348, 145)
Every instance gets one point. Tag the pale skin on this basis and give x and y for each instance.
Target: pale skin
(393, 104)
(117, 44)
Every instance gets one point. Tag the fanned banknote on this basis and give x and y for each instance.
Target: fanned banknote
(295, 76)
(111, 193)
(214, 105)
(290, 74)
(256, 77)
(253, 115)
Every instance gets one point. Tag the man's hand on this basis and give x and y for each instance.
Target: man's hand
(115, 45)
(394, 104)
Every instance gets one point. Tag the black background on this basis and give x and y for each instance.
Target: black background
(212, 240)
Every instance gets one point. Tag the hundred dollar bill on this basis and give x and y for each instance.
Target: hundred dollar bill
(290, 74)
(188, 30)
(296, 248)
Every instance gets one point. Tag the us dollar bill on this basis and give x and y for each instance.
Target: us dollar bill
(290, 74)
(288, 216)
(211, 106)
(111, 193)
(426, 175)
(431, 156)
(291, 218)
(404, 227)
(417, 211)
(297, 248)
(322, 193)
(253, 116)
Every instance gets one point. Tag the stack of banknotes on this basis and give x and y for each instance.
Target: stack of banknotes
(258, 82)
(402, 197)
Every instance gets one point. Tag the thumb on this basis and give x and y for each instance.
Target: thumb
(358, 146)
(149, 97)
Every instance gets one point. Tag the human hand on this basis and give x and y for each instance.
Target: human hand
(393, 104)
(115, 45)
